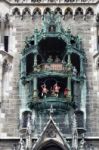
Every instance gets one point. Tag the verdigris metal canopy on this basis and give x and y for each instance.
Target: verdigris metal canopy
(52, 28)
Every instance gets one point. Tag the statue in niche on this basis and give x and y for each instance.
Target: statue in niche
(52, 28)
(74, 71)
(57, 59)
(50, 59)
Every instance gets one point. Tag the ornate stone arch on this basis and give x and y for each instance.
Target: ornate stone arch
(36, 11)
(16, 12)
(52, 143)
(26, 12)
(79, 13)
(58, 10)
(89, 13)
(46, 10)
(68, 13)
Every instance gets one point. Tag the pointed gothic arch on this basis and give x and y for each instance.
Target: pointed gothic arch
(46, 10)
(58, 10)
(89, 13)
(52, 145)
(79, 13)
(36, 12)
(68, 13)
(26, 12)
(16, 12)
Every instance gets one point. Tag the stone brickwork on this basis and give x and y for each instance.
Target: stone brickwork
(84, 29)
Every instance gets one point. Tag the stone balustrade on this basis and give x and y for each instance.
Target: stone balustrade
(52, 1)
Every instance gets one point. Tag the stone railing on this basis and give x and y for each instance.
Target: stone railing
(52, 1)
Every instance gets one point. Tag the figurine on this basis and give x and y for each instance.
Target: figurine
(44, 90)
(74, 71)
(50, 59)
(57, 59)
(66, 92)
(56, 89)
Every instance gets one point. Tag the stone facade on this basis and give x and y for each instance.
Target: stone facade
(21, 25)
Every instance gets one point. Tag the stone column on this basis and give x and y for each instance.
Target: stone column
(23, 67)
(35, 94)
(35, 59)
(81, 67)
(1, 70)
(2, 31)
(83, 87)
(35, 37)
(69, 76)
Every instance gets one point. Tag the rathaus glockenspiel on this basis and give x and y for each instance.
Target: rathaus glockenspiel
(49, 74)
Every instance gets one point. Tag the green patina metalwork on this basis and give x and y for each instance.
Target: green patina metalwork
(51, 28)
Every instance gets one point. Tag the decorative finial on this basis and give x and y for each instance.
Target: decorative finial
(51, 110)
(82, 143)
(74, 133)
(21, 144)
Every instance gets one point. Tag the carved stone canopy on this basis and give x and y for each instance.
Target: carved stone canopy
(51, 134)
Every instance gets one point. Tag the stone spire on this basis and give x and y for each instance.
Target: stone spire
(82, 143)
(74, 133)
(29, 133)
(21, 144)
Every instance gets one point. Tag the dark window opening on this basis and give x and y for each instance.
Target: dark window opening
(25, 116)
(53, 47)
(47, 11)
(6, 43)
(51, 145)
(76, 93)
(39, 60)
(98, 37)
(75, 60)
(29, 63)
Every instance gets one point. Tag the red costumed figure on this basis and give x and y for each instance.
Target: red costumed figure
(56, 89)
(44, 90)
(66, 92)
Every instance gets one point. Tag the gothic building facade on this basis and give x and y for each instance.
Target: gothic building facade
(49, 69)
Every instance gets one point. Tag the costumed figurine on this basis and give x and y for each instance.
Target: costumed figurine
(66, 90)
(50, 59)
(57, 59)
(44, 90)
(56, 89)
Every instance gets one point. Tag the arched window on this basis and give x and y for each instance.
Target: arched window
(58, 11)
(79, 13)
(36, 12)
(26, 12)
(68, 13)
(47, 11)
(16, 12)
(89, 13)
